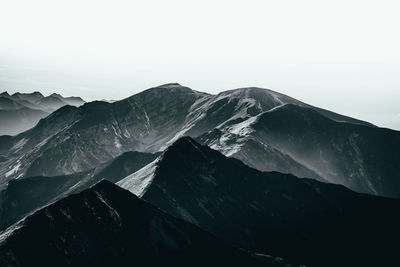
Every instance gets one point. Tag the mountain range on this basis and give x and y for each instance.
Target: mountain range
(235, 177)
(269, 212)
(107, 226)
(25, 195)
(266, 130)
(21, 111)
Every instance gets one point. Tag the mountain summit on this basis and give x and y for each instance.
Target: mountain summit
(269, 212)
(233, 122)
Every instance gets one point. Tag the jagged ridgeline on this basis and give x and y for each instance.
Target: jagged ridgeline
(233, 177)
(264, 129)
(21, 111)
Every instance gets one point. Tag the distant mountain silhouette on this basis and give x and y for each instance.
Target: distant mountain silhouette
(21, 111)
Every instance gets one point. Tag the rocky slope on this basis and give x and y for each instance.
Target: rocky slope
(108, 226)
(299, 140)
(235, 122)
(21, 197)
(306, 221)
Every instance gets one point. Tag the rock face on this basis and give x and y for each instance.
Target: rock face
(260, 205)
(303, 220)
(21, 197)
(266, 130)
(108, 226)
(20, 112)
(301, 141)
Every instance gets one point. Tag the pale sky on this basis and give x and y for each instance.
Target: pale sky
(339, 55)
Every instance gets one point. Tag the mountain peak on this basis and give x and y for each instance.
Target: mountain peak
(37, 93)
(185, 141)
(56, 95)
(5, 93)
(170, 85)
(184, 145)
(106, 225)
(174, 87)
(104, 184)
(161, 90)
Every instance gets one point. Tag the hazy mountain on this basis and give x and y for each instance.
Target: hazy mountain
(306, 221)
(363, 158)
(21, 111)
(108, 226)
(78, 139)
(14, 121)
(72, 100)
(9, 104)
(29, 97)
(23, 196)
(15, 116)
(276, 213)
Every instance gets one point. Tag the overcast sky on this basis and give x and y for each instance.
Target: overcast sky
(339, 55)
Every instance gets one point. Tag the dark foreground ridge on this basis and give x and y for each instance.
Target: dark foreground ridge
(108, 226)
(302, 220)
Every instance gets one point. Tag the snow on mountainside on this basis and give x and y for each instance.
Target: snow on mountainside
(77, 139)
(269, 212)
(362, 158)
(23, 196)
(138, 182)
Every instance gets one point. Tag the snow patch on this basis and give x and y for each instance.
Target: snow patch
(147, 120)
(20, 144)
(127, 134)
(9, 231)
(243, 128)
(14, 169)
(112, 211)
(117, 142)
(116, 132)
(234, 136)
(138, 182)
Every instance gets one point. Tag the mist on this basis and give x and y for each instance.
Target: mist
(341, 56)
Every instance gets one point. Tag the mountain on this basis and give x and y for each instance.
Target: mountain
(15, 116)
(29, 97)
(303, 220)
(56, 101)
(108, 226)
(9, 104)
(23, 196)
(51, 103)
(72, 100)
(18, 120)
(21, 111)
(143, 122)
(152, 120)
(362, 158)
